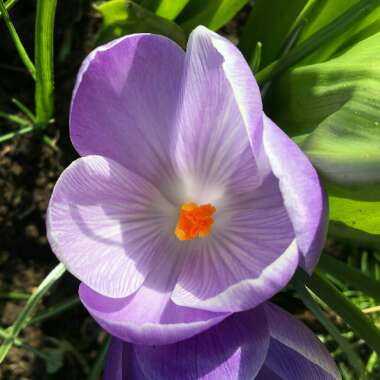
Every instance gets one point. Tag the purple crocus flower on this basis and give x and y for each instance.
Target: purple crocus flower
(265, 343)
(188, 203)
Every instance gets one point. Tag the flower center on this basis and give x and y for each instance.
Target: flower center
(194, 221)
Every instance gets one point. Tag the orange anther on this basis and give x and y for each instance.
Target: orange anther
(194, 221)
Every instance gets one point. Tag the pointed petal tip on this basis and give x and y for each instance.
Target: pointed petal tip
(293, 342)
(302, 192)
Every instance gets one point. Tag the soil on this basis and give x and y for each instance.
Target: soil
(29, 169)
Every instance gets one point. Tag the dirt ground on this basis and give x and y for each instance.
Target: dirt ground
(28, 170)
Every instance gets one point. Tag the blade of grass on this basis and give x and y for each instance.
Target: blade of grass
(15, 295)
(290, 41)
(353, 14)
(44, 40)
(14, 118)
(349, 275)
(302, 17)
(66, 346)
(21, 343)
(371, 363)
(16, 40)
(50, 143)
(21, 131)
(351, 314)
(372, 309)
(256, 60)
(99, 362)
(24, 109)
(8, 5)
(22, 318)
(311, 304)
(55, 310)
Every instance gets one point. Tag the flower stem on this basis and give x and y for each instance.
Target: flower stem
(16, 39)
(23, 317)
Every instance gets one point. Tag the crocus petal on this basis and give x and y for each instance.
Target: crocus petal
(302, 192)
(250, 256)
(106, 225)
(264, 374)
(121, 363)
(234, 349)
(295, 353)
(124, 103)
(265, 343)
(117, 358)
(147, 317)
(219, 131)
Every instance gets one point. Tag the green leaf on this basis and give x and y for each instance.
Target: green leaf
(332, 110)
(295, 56)
(311, 304)
(213, 14)
(56, 360)
(352, 315)
(168, 9)
(358, 237)
(328, 11)
(122, 17)
(256, 28)
(355, 220)
(350, 275)
(324, 13)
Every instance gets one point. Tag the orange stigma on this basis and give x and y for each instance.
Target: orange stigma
(194, 221)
